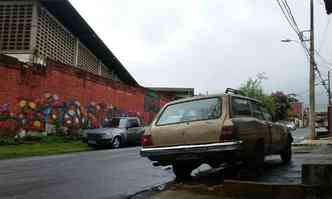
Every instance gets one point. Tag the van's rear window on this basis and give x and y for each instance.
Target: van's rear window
(203, 109)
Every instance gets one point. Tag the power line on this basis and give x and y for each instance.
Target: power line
(287, 12)
(288, 15)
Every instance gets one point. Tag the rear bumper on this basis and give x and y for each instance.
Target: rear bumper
(174, 152)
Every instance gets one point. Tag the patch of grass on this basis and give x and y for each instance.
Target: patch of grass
(48, 147)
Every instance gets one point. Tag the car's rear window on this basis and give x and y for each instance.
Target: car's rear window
(116, 123)
(203, 109)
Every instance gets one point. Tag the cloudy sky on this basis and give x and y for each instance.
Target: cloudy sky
(210, 45)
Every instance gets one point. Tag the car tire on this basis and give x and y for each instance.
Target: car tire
(116, 143)
(182, 171)
(286, 154)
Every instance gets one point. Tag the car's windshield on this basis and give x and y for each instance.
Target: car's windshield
(190, 111)
(116, 123)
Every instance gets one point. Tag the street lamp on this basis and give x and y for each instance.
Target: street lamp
(287, 40)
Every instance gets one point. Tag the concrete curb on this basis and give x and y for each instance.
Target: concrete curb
(247, 189)
(243, 189)
(239, 189)
(312, 144)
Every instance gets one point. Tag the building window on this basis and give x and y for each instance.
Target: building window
(15, 27)
(53, 40)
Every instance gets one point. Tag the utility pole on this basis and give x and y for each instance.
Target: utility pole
(312, 113)
(329, 86)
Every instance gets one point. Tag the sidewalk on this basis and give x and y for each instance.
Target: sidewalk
(317, 142)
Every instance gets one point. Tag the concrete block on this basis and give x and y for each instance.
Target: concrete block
(317, 175)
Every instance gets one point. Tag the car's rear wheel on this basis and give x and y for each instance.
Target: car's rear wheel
(286, 154)
(183, 171)
(116, 143)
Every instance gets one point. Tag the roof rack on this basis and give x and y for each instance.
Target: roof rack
(234, 91)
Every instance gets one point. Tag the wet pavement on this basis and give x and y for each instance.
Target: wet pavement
(98, 174)
(275, 172)
(122, 173)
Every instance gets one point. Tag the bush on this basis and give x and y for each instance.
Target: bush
(31, 139)
(7, 141)
(50, 138)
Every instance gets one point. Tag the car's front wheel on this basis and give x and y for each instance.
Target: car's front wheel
(116, 143)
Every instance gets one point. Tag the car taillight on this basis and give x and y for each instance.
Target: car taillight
(146, 140)
(227, 133)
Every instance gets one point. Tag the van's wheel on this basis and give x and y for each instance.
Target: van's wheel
(182, 171)
(286, 154)
(116, 143)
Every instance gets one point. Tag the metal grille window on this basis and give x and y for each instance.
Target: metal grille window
(53, 40)
(86, 60)
(26, 27)
(106, 72)
(15, 26)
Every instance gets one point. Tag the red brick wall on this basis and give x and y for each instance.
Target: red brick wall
(28, 93)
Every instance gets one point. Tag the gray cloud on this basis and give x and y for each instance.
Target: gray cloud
(208, 45)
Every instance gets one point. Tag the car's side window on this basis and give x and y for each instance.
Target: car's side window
(257, 111)
(132, 123)
(266, 114)
(241, 107)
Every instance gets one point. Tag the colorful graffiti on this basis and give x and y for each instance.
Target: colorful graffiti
(35, 114)
(29, 117)
(72, 115)
(98, 114)
(151, 102)
(8, 123)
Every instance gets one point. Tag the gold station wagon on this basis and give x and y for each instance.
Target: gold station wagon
(214, 129)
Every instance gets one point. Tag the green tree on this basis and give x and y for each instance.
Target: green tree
(283, 104)
(253, 88)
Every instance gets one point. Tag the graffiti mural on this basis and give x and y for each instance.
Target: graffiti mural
(51, 107)
(29, 116)
(98, 114)
(72, 115)
(48, 109)
(151, 102)
(8, 123)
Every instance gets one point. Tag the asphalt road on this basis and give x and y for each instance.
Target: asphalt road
(97, 174)
(116, 174)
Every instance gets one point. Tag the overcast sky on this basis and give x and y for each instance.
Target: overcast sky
(209, 45)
